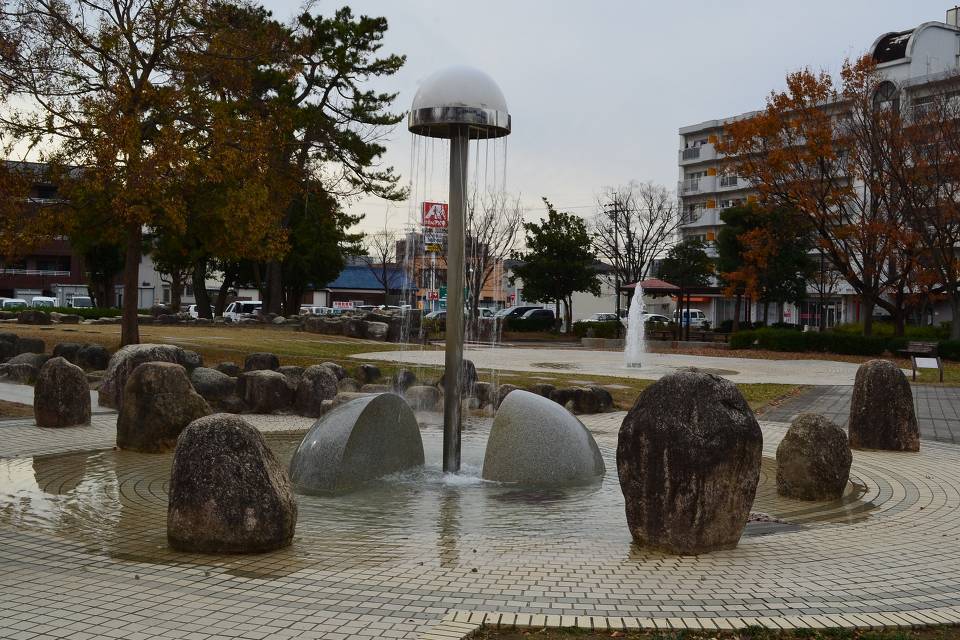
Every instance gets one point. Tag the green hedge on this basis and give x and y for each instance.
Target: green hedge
(827, 342)
(608, 329)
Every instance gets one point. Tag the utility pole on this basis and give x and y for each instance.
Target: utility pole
(613, 208)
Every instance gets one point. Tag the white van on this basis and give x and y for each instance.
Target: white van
(240, 308)
(80, 302)
(697, 318)
(13, 304)
(43, 302)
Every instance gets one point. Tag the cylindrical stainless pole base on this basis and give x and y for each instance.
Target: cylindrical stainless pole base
(459, 145)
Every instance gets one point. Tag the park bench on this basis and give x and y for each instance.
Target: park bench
(923, 355)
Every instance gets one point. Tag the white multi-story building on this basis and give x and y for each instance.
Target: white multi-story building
(911, 62)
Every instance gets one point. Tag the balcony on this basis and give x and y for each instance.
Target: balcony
(732, 182)
(703, 184)
(701, 218)
(692, 155)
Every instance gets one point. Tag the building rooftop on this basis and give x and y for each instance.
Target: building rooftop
(360, 276)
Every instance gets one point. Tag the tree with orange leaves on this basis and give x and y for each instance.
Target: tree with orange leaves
(819, 150)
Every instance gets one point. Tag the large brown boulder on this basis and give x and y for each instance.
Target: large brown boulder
(688, 458)
(336, 370)
(316, 384)
(261, 362)
(93, 357)
(881, 410)
(213, 385)
(813, 459)
(265, 391)
(33, 316)
(23, 373)
(502, 391)
(61, 397)
(158, 403)
(67, 350)
(228, 492)
(30, 345)
(123, 363)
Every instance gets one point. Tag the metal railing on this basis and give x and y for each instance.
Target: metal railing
(32, 272)
(690, 185)
(729, 181)
(691, 153)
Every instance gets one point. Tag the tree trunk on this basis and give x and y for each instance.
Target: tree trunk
(822, 320)
(221, 303)
(200, 290)
(738, 301)
(867, 306)
(129, 327)
(176, 292)
(955, 315)
(294, 297)
(899, 316)
(568, 315)
(766, 313)
(273, 302)
(678, 319)
(687, 323)
(556, 315)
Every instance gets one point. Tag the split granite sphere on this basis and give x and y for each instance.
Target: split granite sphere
(535, 441)
(688, 457)
(358, 441)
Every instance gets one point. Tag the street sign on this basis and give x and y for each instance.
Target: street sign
(435, 215)
(433, 294)
(338, 304)
(443, 293)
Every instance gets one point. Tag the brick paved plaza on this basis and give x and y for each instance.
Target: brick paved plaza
(938, 408)
(82, 555)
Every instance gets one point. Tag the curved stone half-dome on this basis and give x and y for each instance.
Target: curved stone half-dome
(459, 97)
(358, 441)
(535, 441)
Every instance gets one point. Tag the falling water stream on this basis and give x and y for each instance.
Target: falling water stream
(635, 347)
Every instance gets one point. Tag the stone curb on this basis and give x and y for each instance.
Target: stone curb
(466, 622)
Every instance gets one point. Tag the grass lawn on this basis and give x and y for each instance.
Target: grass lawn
(218, 343)
(752, 633)
(14, 410)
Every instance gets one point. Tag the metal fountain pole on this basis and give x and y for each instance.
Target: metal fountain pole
(459, 152)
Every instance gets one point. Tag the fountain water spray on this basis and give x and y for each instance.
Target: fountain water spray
(635, 329)
(457, 104)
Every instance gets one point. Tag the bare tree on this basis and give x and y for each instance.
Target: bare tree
(381, 259)
(493, 222)
(637, 224)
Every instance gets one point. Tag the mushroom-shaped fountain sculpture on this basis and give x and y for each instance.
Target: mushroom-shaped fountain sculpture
(458, 104)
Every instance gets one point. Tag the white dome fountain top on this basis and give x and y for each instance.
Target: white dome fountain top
(459, 98)
(459, 104)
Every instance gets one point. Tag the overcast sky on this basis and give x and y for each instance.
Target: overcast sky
(597, 90)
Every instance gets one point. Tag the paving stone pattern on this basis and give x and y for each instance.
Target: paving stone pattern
(938, 409)
(892, 558)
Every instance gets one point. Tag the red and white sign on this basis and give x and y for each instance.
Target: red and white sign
(433, 294)
(340, 304)
(435, 215)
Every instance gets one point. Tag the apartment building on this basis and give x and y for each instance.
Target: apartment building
(912, 63)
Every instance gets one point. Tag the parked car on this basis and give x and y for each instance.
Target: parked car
(192, 310)
(43, 302)
(439, 314)
(515, 312)
(240, 308)
(11, 304)
(655, 318)
(696, 319)
(539, 314)
(600, 317)
(367, 307)
(80, 302)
